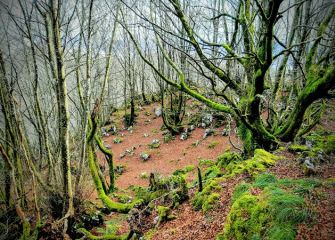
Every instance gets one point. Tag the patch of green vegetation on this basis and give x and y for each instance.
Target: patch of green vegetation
(258, 163)
(324, 142)
(213, 172)
(273, 213)
(172, 190)
(213, 144)
(154, 144)
(168, 137)
(154, 131)
(330, 181)
(164, 214)
(123, 198)
(227, 157)
(209, 196)
(246, 135)
(112, 226)
(117, 140)
(298, 148)
(150, 233)
(144, 175)
(206, 163)
(184, 170)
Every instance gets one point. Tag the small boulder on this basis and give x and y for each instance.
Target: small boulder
(183, 136)
(112, 130)
(158, 111)
(208, 132)
(145, 156)
(309, 167)
(225, 132)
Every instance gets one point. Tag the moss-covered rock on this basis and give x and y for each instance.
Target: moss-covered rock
(209, 196)
(294, 148)
(171, 190)
(228, 157)
(258, 163)
(164, 214)
(272, 212)
(324, 142)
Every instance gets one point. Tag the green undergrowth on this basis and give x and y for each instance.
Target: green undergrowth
(228, 165)
(170, 190)
(253, 166)
(209, 196)
(326, 143)
(268, 208)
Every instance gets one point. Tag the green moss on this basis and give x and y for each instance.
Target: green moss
(298, 148)
(326, 143)
(258, 163)
(274, 213)
(240, 190)
(184, 170)
(247, 218)
(168, 137)
(149, 234)
(123, 198)
(213, 172)
(111, 205)
(26, 230)
(172, 189)
(213, 144)
(206, 199)
(206, 163)
(330, 181)
(228, 157)
(210, 201)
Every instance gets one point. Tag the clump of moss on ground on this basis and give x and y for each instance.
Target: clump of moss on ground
(208, 197)
(258, 163)
(268, 209)
(171, 190)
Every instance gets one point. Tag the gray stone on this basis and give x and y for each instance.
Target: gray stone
(208, 132)
(145, 156)
(183, 136)
(225, 132)
(158, 111)
(191, 128)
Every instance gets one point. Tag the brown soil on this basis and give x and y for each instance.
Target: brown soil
(168, 157)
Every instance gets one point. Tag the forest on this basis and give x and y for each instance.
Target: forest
(167, 119)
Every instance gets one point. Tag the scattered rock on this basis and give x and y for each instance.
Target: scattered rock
(122, 155)
(206, 120)
(147, 121)
(108, 146)
(191, 128)
(105, 134)
(145, 135)
(145, 156)
(225, 132)
(183, 136)
(119, 169)
(113, 130)
(208, 132)
(158, 111)
(308, 167)
(156, 220)
(155, 143)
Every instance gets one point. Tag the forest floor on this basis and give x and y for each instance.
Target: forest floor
(190, 224)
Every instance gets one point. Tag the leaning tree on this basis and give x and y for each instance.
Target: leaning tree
(273, 61)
